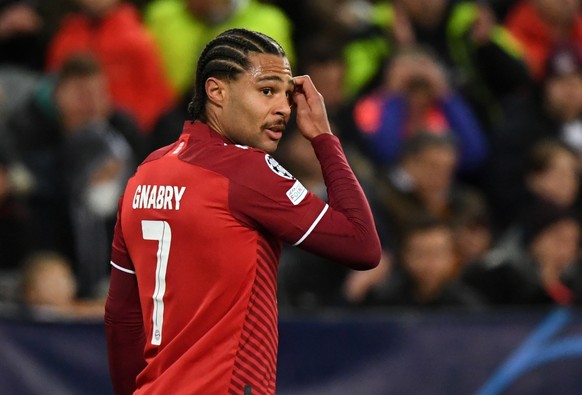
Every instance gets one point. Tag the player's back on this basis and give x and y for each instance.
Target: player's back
(207, 281)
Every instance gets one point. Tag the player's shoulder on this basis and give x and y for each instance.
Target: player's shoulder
(158, 153)
(256, 165)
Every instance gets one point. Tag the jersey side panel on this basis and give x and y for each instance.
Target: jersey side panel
(256, 360)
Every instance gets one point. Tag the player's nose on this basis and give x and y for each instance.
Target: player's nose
(283, 108)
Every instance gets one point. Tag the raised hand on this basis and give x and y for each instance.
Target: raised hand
(311, 113)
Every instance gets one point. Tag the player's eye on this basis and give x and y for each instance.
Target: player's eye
(267, 91)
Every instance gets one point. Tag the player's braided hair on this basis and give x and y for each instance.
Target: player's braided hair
(226, 56)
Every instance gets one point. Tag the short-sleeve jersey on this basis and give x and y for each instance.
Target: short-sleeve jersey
(200, 225)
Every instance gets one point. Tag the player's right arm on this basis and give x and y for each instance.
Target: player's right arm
(123, 320)
(342, 229)
(346, 231)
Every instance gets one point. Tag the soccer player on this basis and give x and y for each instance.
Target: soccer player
(192, 302)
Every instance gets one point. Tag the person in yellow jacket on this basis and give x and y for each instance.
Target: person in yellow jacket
(181, 29)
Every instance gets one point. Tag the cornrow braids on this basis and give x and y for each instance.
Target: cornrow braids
(226, 56)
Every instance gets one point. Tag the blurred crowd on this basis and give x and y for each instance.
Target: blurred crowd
(462, 119)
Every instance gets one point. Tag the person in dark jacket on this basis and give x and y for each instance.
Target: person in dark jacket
(38, 138)
(537, 264)
(426, 273)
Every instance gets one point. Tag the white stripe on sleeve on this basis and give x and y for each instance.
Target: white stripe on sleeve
(121, 268)
(313, 225)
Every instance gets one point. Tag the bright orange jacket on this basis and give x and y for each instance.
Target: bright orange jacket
(537, 36)
(128, 55)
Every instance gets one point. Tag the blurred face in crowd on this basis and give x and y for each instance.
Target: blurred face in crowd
(563, 96)
(559, 182)
(420, 98)
(214, 11)
(473, 242)
(559, 12)
(555, 248)
(97, 7)
(49, 282)
(432, 168)
(19, 18)
(429, 257)
(254, 109)
(81, 100)
(427, 13)
(329, 79)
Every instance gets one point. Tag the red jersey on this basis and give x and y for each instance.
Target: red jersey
(200, 228)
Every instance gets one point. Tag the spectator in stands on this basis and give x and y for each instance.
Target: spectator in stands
(541, 25)
(112, 30)
(23, 35)
(416, 97)
(486, 63)
(13, 216)
(553, 112)
(97, 162)
(48, 290)
(48, 283)
(16, 85)
(421, 183)
(351, 25)
(37, 134)
(323, 59)
(540, 264)
(473, 230)
(426, 271)
(551, 177)
(553, 173)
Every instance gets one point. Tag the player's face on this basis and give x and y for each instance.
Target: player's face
(258, 103)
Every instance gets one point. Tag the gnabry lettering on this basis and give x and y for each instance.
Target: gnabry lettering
(160, 197)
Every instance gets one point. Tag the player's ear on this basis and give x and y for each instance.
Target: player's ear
(215, 90)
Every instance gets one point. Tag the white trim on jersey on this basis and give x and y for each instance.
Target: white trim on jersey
(313, 225)
(121, 268)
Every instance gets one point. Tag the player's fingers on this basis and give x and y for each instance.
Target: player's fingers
(306, 85)
(299, 100)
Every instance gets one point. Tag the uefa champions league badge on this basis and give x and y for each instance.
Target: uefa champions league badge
(277, 168)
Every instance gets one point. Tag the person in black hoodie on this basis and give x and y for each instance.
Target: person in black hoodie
(426, 271)
(38, 139)
(538, 264)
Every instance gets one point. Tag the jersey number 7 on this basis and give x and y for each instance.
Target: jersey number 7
(160, 231)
